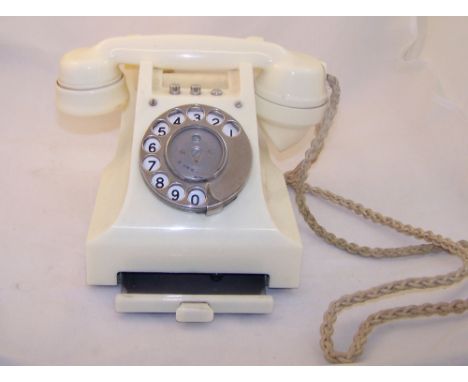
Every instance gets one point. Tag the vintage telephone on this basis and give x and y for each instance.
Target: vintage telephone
(192, 216)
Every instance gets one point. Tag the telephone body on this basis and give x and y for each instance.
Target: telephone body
(191, 215)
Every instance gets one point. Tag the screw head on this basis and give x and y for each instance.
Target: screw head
(238, 104)
(153, 102)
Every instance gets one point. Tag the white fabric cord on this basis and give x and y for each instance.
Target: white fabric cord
(297, 180)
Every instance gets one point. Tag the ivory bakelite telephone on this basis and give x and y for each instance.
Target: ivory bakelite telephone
(191, 215)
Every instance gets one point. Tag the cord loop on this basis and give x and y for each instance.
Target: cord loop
(296, 179)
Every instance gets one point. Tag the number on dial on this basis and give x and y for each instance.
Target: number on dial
(230, 129)
(176, 117)
(176, 193)
(151, 145)
(160, 181)
(151, 163)
(161, 128)
(196, 113)
(215, 118)
(196, 198)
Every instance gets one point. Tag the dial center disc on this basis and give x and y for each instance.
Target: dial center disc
(196, 153)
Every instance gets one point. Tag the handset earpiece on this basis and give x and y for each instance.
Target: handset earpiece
(291, 97)
(89, 83)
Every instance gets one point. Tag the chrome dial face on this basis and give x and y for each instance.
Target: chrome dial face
(195, 158)
(196, 153)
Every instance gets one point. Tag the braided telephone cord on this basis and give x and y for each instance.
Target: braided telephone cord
(297, 180)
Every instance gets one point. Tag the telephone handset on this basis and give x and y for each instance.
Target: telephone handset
(192, 216)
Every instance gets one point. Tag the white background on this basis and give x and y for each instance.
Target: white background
(398, 145)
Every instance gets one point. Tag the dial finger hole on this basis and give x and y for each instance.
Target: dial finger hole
(151, 145)
(151, 163)
(196, 113)
(161, 128)
(160, 181)
(231, 129)
(176, 193)
(176, 117)
(215, 118)
(197, 198)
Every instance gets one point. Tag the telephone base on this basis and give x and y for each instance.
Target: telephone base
(193, 297)
(200, 114)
